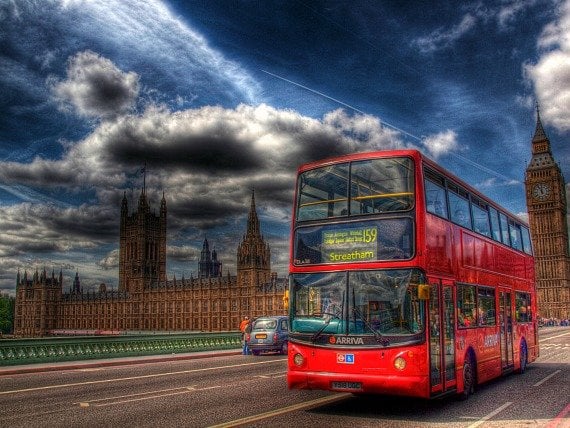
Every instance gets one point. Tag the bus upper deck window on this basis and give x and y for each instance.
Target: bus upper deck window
(323, 193)
(381, 185)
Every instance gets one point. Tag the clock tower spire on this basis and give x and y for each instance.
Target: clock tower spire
(547, 209)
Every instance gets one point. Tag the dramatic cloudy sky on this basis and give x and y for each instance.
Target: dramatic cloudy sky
(220, 97)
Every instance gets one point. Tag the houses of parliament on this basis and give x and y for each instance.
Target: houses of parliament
(145, 299)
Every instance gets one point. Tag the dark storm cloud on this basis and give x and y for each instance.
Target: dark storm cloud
(88, 223)
(40, 173)
(37, 229)
(219, 151)
(95, 87)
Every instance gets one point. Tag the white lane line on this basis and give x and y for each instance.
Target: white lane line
(490, 415)
(546, 378)
(553, 337)
(300, 406)
(118, 397)
(150, 397)
(94, 382)
(144, 396)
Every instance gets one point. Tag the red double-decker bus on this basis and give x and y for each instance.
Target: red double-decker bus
(405, 280)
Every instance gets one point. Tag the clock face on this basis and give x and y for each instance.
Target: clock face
(541, 191)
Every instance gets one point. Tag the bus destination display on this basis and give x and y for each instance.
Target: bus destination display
(349, 245)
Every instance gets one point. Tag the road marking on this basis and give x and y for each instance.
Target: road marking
(94, 382)
(272, 375)
(301, 406)
(99, 402)
(490, 415)
(151, 395)
(546, 378)
(560, 418)
(554, 337)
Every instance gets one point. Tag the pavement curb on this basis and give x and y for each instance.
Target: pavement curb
(74, 365)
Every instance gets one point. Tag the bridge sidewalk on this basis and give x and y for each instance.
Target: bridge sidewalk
(71, 365)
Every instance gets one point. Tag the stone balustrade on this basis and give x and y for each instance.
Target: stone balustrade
(55, 349)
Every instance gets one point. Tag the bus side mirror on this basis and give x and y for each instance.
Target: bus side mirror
(423, 291)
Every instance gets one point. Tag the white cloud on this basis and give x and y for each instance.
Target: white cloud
(96, 87)
(445, 37)
(502, 15)
(550, 76)
(150, 29)
(508, 11)
(441, 143)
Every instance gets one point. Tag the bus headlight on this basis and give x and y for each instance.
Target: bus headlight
(400, 363)
(298, 360)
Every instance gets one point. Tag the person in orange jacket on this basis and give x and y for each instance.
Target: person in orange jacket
(243, 327)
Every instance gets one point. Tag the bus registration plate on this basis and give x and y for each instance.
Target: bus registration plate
(352, 386)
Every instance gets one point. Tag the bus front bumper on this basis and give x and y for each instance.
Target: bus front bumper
(405, 385)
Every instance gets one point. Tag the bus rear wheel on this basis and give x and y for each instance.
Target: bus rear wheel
(468, 378)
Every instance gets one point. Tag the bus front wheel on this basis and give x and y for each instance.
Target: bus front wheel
(523, 356)
(468, 377)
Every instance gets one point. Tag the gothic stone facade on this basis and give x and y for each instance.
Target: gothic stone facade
(547, 209)
(145, 299)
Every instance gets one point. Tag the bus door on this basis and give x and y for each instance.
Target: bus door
(441, 336)
(506, 327)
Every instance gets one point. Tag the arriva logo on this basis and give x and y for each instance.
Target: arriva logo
(344, 340)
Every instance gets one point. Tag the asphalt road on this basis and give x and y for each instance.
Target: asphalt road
(236, 390)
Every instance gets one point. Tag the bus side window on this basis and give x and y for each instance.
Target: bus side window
(466, 306)
(504, 229)
(435, 199)
(460, 213)
(495, 224)
(523, 308)
(515, 233)
(481, 220)
(486, 306)
(527, 247)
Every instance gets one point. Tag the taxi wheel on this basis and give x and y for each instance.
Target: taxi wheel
(284, 348)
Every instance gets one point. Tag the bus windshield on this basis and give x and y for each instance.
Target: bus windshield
(356, 188)
(381, 304)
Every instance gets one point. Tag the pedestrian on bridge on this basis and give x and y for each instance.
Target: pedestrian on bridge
(245, 328)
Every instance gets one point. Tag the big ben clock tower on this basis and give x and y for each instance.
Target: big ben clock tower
(547, 208)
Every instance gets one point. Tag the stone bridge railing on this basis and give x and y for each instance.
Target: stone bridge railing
(54, 349)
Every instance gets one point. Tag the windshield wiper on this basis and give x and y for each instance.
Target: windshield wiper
(377, 335)
(325, 325)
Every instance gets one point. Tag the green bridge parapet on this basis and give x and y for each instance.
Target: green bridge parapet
(55, 349)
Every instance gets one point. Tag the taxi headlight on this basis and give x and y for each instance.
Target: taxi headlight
(400, 363)
(298, 360)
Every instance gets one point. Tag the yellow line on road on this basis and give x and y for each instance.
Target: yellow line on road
(301, 406)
